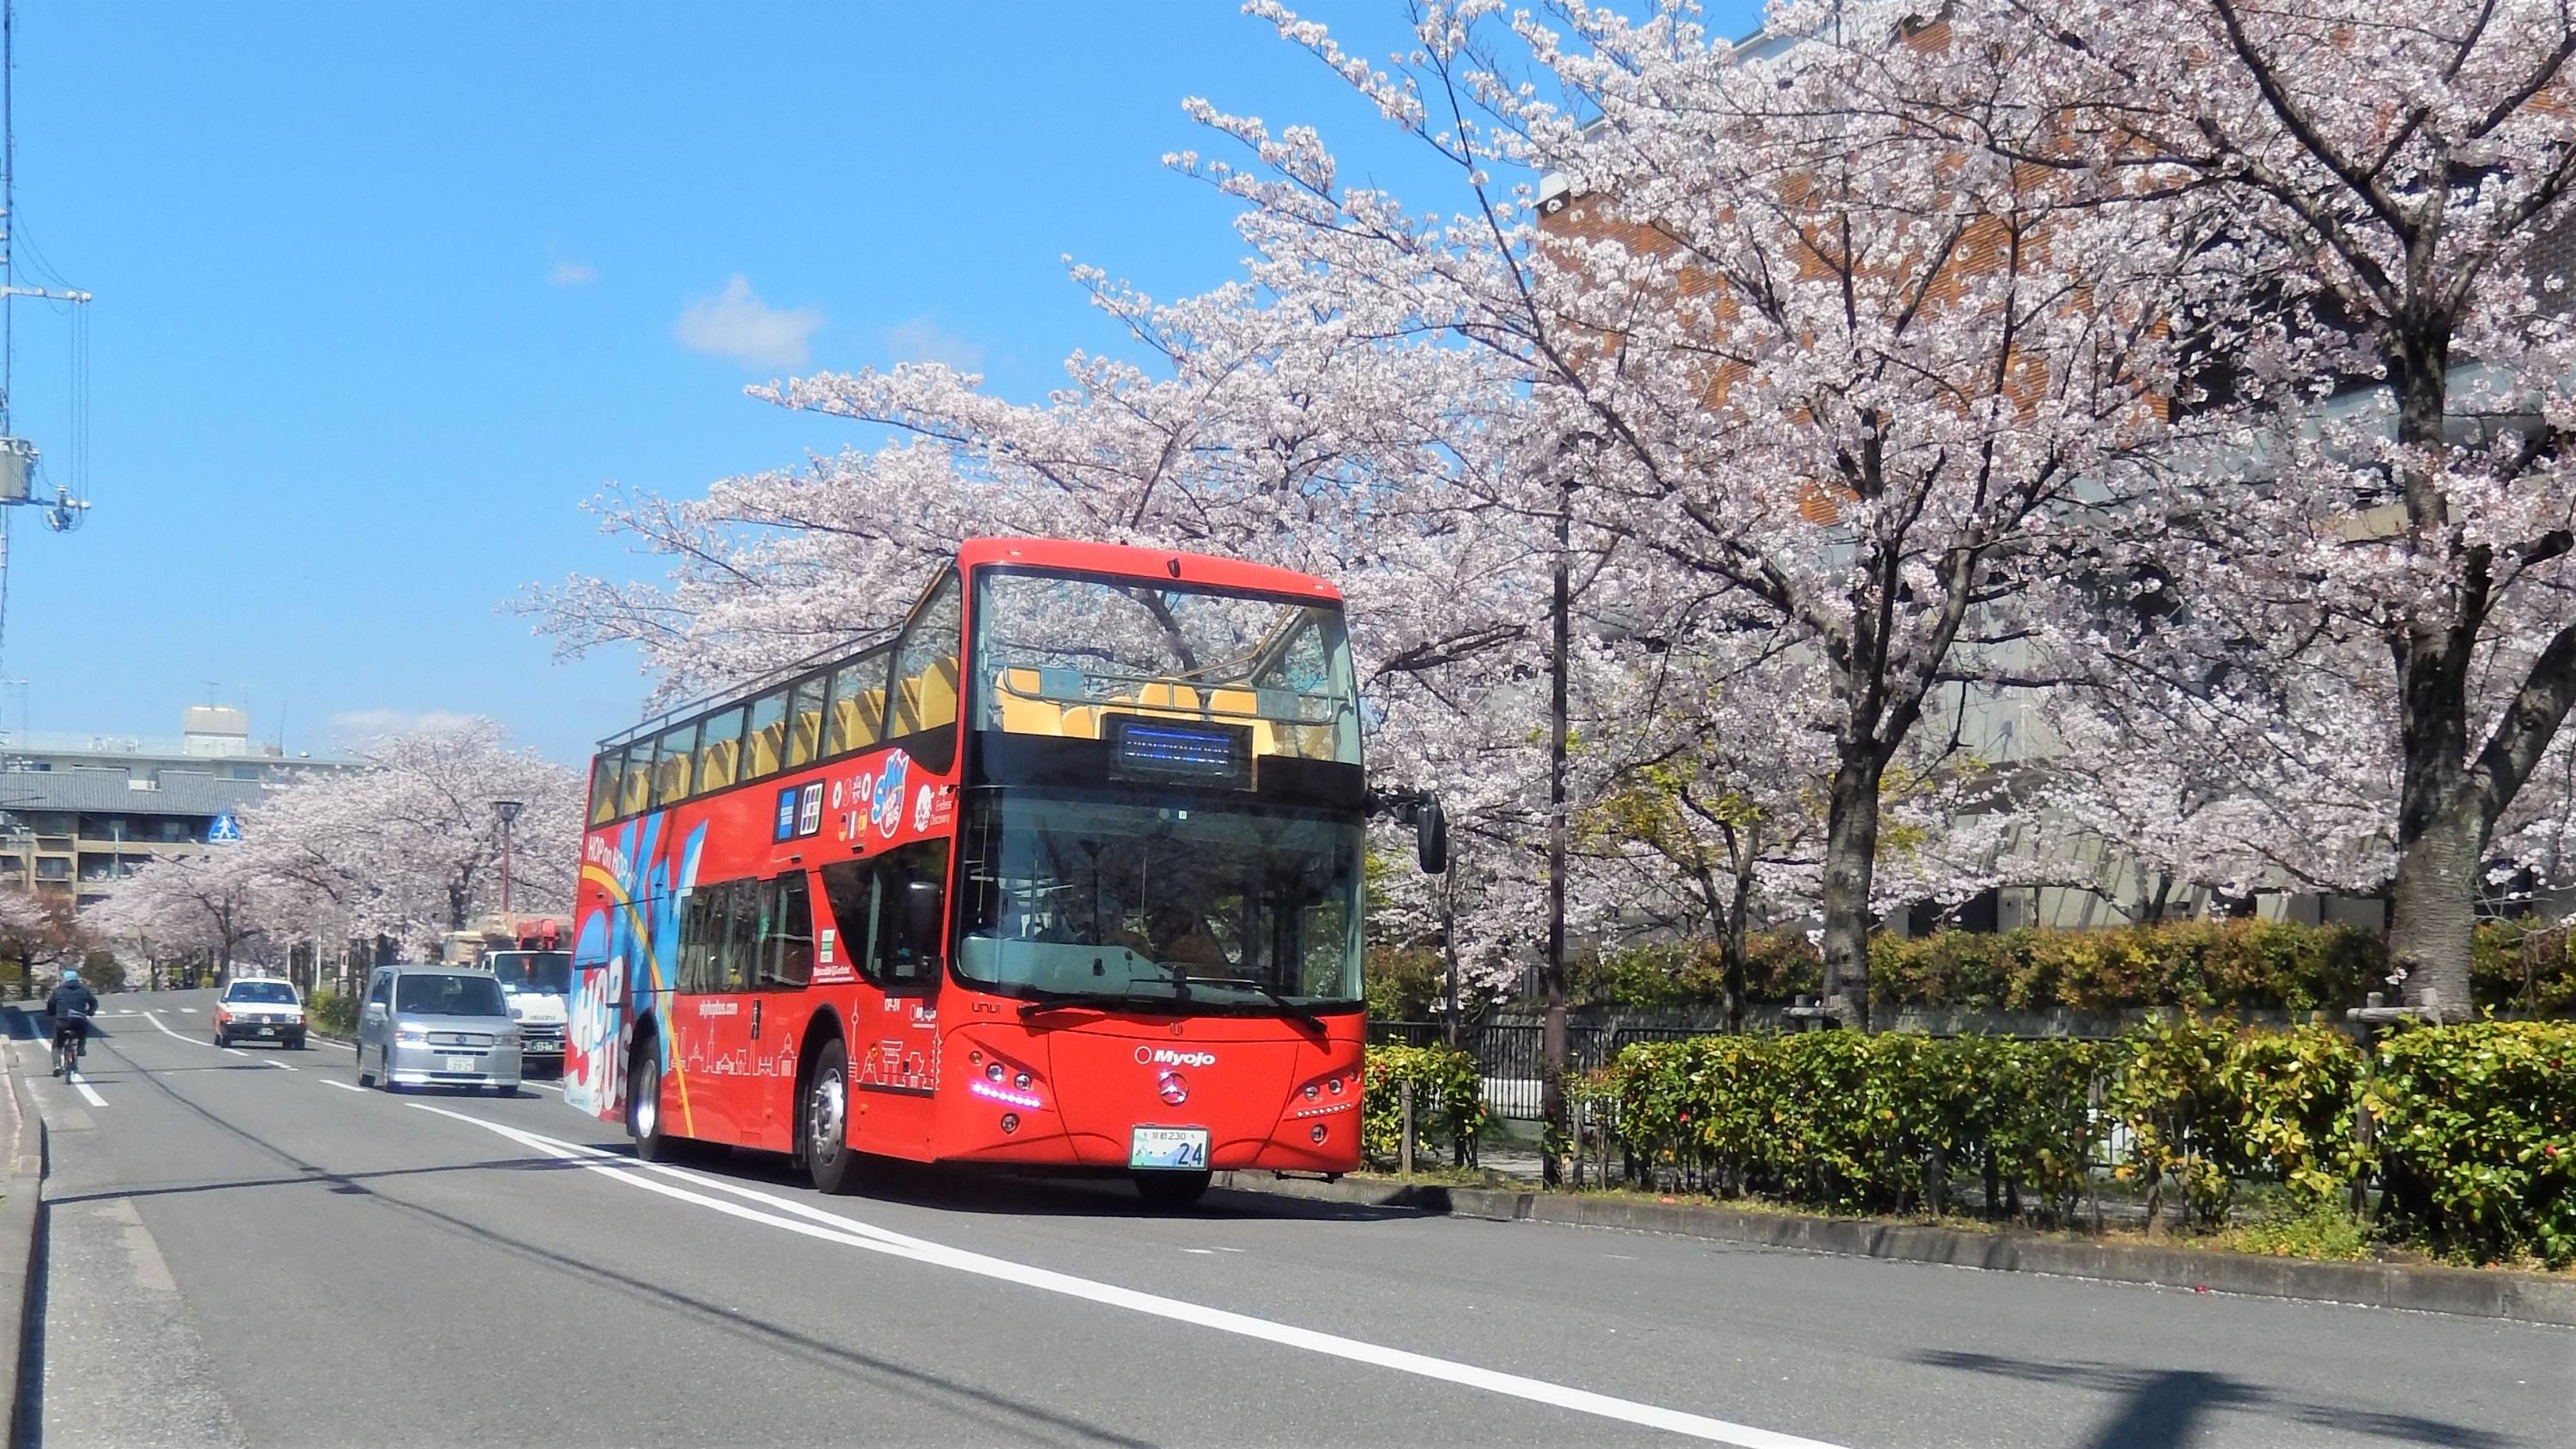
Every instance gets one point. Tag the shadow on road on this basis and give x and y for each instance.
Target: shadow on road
(2162, 1408)
(952, 1187)
(999, 1415)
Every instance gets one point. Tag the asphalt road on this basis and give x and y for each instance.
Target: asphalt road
(242, 1254)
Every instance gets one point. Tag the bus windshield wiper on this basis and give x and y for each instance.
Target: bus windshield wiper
(1087, 1000)
(1290, 1009)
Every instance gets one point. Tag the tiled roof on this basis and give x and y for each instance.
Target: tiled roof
(105, 792)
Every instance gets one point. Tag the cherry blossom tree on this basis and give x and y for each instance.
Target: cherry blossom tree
(202, 903)
(2391, 540)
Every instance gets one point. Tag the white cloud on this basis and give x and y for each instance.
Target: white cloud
(368, 724)
(571, 274)
(921, 340)
(736, 324)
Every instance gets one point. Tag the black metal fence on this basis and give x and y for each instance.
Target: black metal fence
(1510, 1055)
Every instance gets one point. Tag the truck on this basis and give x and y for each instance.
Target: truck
(535, 971)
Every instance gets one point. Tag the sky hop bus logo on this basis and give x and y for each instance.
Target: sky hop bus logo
(885, 806)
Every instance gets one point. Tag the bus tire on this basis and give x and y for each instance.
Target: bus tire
(824, 1119)
(1171, 1189)
(644, 1103)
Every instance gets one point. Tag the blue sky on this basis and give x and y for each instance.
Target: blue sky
(385, 291)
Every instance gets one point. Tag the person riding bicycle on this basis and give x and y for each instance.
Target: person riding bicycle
(71, 1006)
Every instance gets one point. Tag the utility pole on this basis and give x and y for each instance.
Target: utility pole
(1552, 972)
(508, 810)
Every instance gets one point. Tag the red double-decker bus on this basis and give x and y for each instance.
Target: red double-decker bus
(1066, 872)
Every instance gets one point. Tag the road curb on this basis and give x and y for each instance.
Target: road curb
(22, 1238)
(2463, 1292)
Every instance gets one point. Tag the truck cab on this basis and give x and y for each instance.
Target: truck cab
(535, 975)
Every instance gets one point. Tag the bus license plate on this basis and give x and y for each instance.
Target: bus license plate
(1181, 1149)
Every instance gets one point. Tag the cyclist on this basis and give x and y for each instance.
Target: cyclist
(71, 1006)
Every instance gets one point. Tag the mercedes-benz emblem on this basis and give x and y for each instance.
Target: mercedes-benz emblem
(1174, 1087)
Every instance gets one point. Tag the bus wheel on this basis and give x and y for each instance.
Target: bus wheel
(644, 1107)
(828, 1157)
(1171, 1189)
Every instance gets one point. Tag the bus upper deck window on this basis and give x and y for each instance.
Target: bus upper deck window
(858, 705)
(673, 764)
(805, 720)
(764, 743)
(924, 693)
(635, 785)
(603, 788)
(720, 750)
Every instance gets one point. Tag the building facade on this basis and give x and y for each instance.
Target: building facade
(77, 812)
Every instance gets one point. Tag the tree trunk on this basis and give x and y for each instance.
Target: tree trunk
(1552, 973)
(1738, 934)
(2434, 906)
(1851, 852)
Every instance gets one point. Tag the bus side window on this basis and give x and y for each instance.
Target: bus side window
(719, 750)
(672, 762)
(924, 693)
(766, 745)
(787, 957)
(701, 922)
(603, 788)
(805, 714)
(635, 785)
(869, 913)
(858, 705)
(738, 954)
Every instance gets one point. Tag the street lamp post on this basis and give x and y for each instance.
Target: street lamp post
(508, 810)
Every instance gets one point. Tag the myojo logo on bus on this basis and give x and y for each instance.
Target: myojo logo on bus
(1166, 1057)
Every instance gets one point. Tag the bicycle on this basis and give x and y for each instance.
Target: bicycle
(71, 1035)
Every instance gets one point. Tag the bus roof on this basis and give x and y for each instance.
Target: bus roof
(1127, 560)
(1071, 556)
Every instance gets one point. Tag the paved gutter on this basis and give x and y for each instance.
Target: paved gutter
(2465, 1292)
(22, 1239)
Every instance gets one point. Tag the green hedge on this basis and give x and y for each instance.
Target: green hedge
(2209, 966)
(328, 1011)
(1448, 1103)
(2475, 1125)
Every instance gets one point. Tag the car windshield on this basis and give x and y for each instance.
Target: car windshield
(449, 996)
(543, 971)
(1228, 908)
(1060, 656)
(275, 993)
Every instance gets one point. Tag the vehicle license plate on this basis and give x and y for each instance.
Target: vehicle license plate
(460, 1064)
(1182, 1149)
(268, 1031)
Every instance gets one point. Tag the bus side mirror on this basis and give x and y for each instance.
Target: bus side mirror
(1431, 836)
(921, 920)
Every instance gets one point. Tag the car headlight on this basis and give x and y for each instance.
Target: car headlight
(411, 1035)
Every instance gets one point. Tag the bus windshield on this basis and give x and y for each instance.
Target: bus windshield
(1054, 654)
(548, 972)
(1161, 906)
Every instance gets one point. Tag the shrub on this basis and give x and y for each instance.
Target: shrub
(1448, 1101)
(332, 1013)
(1403, 983)
(2476, 1136)
(2515, 966)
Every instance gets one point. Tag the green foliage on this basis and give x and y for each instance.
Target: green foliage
(1847, 1121)
(2474, 1131)
(103, 971)
(2203, 965)
(332, 1013)
(1665, 975)
(2477, 1137)
(2321, 1231)
(1403, 983)
(1448, 1102)
(2515, 966)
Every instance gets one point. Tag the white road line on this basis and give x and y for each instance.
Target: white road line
(796, 1217)
(281, 1066)
(343, 1086)
(189, 1009)
(87, 1095)
(155, 1019)
(233, 1051)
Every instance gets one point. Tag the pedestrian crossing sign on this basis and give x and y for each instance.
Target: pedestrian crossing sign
(225, 831)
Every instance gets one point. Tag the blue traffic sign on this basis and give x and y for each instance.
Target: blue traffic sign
(225, 831)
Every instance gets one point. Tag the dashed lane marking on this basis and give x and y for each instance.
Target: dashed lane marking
(343, 1086)
(88, 1093)
(812, 1222)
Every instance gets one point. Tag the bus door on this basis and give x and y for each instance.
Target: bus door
(779, 1006)
(711, 1018)
(887, 913)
